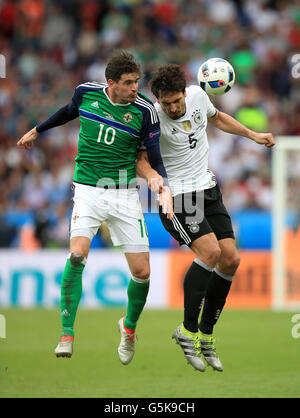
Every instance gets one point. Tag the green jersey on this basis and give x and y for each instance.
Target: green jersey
(110, 135)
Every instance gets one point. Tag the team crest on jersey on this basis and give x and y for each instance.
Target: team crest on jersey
(127, 117)
(197, 115)
(187, 126)
(194, 227)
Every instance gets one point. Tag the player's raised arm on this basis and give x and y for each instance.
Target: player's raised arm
(27, 140)
(63, 115)
(230, 125)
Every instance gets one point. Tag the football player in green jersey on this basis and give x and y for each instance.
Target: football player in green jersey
(116, 122)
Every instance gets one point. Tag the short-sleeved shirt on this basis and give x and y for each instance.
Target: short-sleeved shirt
(184, 146)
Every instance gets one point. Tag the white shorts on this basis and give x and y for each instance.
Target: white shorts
(120, 208)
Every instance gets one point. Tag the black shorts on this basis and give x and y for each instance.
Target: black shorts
(197, 214)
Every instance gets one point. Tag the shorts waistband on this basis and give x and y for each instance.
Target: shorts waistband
(130, 186)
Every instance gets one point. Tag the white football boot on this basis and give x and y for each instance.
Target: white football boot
(209, 352)
(65, 346)
(190, 344)
(127, 344)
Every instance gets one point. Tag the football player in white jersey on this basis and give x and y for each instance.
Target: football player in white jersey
(200, 219)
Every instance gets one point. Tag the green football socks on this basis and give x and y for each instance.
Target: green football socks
(71, 289)
(137, 292)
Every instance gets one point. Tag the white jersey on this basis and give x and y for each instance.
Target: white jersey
(184, 146)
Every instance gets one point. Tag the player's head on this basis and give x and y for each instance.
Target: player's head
(122, 74)
(168, 86)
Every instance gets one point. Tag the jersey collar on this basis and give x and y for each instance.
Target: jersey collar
(115, 104)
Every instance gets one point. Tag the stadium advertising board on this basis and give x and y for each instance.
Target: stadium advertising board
(251, 287)
(33, 279)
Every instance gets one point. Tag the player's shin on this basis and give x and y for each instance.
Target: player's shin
(137, 292)
(194, 285)
(215, 299)
(71, 290)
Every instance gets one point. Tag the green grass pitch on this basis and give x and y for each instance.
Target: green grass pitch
(259, 355)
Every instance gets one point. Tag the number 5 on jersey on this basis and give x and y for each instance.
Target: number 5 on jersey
(192, 141)
(109, 135)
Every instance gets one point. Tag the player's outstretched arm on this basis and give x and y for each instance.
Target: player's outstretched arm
(63, 115)
(230, 125)
(27, 140)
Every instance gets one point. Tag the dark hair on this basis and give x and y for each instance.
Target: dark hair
(168, 78)
(122, 62)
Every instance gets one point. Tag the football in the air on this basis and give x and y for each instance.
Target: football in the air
(216, 76)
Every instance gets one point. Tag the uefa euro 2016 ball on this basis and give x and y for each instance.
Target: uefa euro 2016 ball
(216, 76)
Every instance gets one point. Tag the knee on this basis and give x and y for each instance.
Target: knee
(209, 254)
(234, 261)
(77, 259)
(213, 255)
(230, 262)
(141, 273)
(79, 247)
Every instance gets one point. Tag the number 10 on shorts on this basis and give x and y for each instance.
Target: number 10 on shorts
(143, 228)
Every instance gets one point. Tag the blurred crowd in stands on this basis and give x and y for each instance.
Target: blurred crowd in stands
(52, 46)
